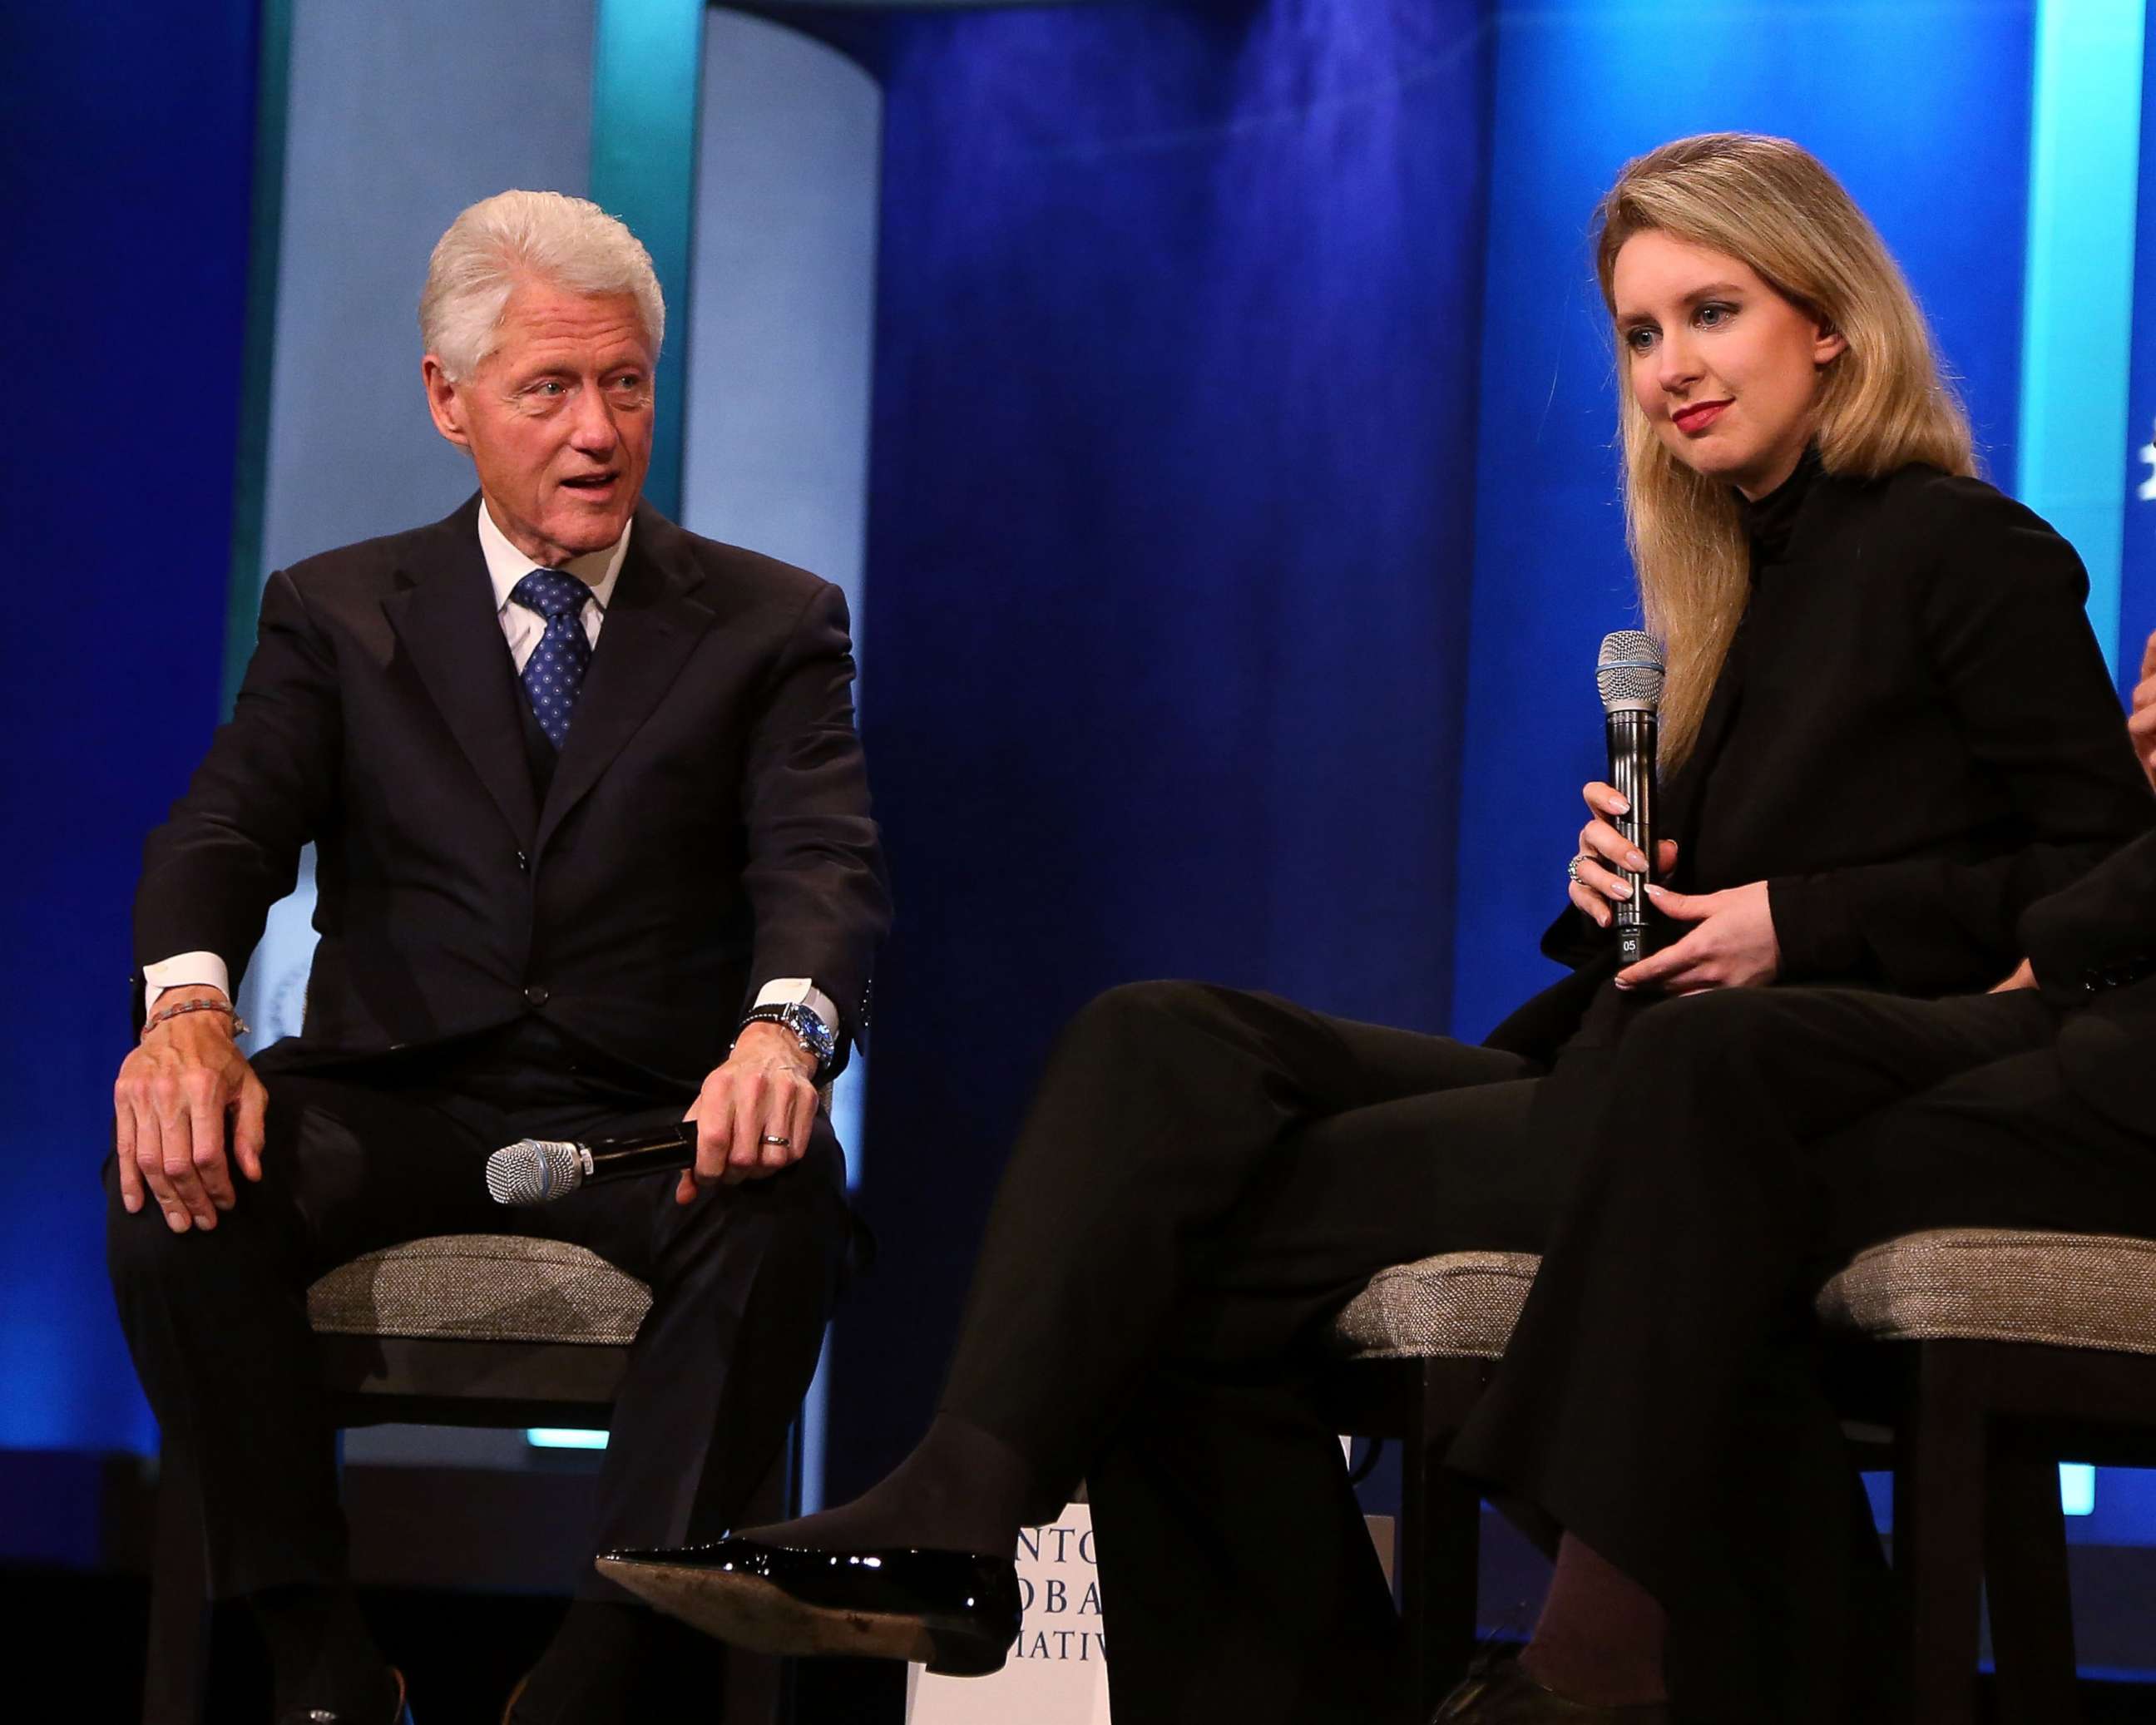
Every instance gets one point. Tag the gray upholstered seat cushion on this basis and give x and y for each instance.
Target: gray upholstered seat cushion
(485, 1287)
(1457, 1305)
(2002, 1284)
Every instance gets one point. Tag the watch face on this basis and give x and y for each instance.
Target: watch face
(814, 1034)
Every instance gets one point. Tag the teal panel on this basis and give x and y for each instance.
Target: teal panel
(2078, 306)
(646, 74)
(259, 356)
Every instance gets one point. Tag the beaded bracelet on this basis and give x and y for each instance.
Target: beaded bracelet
(239, 1025)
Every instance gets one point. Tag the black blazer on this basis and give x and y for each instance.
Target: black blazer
(1913, 738)
(706, 827)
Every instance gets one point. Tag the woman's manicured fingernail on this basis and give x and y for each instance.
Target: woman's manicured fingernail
(1636, 862)
(1620, 805)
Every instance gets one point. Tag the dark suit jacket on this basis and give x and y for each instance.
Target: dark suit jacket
(706, 827)
(2093, 946)
(1914, 737)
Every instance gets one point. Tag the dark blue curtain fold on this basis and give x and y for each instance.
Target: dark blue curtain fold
(1168, 559)
(126, 151)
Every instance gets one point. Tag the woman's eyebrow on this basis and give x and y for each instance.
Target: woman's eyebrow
(1712, 291)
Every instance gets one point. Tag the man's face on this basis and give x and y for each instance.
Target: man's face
(557, 418)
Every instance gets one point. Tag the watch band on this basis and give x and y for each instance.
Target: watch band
(816, 1038)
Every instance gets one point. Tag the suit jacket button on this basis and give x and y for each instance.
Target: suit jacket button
(523, 864)
(536, 995)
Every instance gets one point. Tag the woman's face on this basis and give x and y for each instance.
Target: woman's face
(1726, 370)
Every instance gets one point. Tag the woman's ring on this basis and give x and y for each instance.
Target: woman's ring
(773, 1139)
(1572, 867)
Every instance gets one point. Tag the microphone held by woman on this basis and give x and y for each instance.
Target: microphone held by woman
(1628, 671)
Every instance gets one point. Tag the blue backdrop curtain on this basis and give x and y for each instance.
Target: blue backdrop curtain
(126, 153)
(1581, 86)
(1169, 555)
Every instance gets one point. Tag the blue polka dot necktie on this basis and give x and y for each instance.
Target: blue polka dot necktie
(555, 671)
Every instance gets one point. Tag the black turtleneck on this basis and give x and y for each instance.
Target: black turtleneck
(1770, 522)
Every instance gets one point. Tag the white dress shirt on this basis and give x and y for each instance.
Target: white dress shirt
(523, 629)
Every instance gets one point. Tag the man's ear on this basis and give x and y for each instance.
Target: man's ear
(444, 402)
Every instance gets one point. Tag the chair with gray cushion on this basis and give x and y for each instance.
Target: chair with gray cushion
(1992, 1354)
(1418, 1345)
(475, 1330)
(2024, 1349)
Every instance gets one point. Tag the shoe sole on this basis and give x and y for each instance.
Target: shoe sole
(756, 1614)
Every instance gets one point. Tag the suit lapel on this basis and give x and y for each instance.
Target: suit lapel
(446, 622)
(652, 624)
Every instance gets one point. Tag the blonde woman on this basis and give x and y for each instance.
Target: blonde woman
(1889, 729)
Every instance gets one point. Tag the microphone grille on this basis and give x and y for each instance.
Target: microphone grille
(1629, 670)
(533, 1171)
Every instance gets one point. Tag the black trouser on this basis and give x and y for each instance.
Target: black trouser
(359, 1159)
(1204, 1179)
(1662, 1397)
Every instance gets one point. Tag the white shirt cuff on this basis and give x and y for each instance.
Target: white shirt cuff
(799, 991)
(188, 970)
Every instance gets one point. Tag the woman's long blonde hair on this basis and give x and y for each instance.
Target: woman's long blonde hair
(1881, 404)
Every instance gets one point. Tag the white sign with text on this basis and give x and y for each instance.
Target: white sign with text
(1057, 1673)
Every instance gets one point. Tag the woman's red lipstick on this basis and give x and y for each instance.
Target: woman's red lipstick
(1698, 416)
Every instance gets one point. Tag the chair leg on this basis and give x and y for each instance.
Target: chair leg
(1938, 1532)
(2032, 1618)
(173, 1667)
(1439, 1550)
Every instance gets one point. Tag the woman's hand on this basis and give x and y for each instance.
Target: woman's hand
(1605, 852)
(1731, 943)
(2024, 977)
(2141, 723)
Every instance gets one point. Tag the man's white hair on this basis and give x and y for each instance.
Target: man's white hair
(513, 237)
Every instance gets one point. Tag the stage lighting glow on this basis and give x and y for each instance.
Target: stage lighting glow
(563, 1437)
(2076, 1488)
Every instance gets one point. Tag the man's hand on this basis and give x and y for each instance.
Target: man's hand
(765, 1092)
(2141, 722)
(2024, 977)
(1731, 946)
(170, 1103)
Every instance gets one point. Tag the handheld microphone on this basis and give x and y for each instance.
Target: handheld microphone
(540, 1170)
(1628, 673)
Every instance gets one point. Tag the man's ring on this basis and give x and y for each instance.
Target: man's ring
(773, 1139)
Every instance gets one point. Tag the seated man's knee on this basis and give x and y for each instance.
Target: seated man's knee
(140, 1249)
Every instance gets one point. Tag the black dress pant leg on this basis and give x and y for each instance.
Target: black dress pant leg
(1237, 1575)
(1237, 1568)
(1662, 1396)
(217, 1321)
(1205, 1178)
(743, 1281)
(1165, 1106)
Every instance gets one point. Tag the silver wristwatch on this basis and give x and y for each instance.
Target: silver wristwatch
(818, 1040)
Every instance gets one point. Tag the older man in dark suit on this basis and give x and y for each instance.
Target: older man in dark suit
(594, 852)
